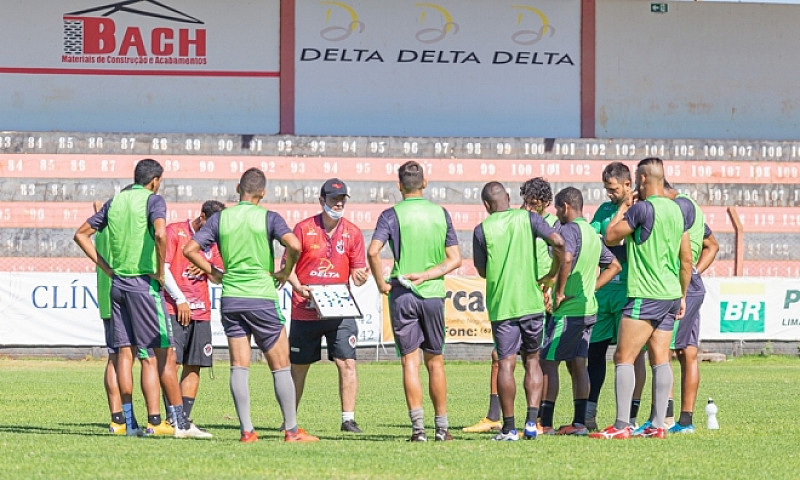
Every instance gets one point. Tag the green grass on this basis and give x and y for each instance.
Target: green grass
(53, 418)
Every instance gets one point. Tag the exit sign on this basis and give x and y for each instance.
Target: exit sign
(659, 8)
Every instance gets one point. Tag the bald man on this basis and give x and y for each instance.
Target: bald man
(659, 271)
(504, 254)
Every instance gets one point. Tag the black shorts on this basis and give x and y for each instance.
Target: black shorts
(686, 332)
(567, 338)
(416, 322)
(660, 313)
(264, 324)
(518, 335)
(192, 343)
(305, 339)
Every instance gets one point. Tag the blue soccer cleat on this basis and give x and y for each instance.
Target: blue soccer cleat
(678, 428)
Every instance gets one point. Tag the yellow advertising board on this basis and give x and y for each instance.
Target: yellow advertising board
(465, 315)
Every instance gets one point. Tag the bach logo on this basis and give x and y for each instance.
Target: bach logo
(535, 25)
(116, 33)
(445, 23)
(348, 18)
(741, 317)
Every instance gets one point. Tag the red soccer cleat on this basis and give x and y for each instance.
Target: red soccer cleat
(299, 436)
(612, 433)
(249, 437)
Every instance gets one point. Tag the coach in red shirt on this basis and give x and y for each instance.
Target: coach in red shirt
(332, 252)
(188, 302)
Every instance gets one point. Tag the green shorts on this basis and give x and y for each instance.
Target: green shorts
(610, 302)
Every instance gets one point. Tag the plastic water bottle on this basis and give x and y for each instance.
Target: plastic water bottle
(711, 413)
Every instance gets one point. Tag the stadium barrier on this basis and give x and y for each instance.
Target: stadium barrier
(749, 192)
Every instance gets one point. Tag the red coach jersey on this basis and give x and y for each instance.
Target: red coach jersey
(194, 288)
(325, 260)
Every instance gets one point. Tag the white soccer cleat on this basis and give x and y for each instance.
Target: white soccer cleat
(192, 432)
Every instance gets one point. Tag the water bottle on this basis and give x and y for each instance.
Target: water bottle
(711, 413)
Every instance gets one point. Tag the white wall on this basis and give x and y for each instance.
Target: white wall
(701, 70)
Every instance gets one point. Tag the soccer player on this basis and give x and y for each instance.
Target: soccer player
(188, 302)
(659, 270)
(331, 252)
(568, 329)
(424, 246)
(245, 234)
(536, 197)
(504, 254)
(117, 425)
(685, 340)
(136, 224)
(611, 298)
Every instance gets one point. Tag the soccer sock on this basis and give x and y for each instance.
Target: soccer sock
(348, 416)
(130, 418)
(533, 414)
(188, 403)
(285, 394)
(508, 424)
(178, 416)
(635, 409)
(441, 422)
(686, 418)
(623, 387)
(670, 407)
(662, 383)
(154, 419)
(580, 411)
(118, 417)
(494, 407)
(596, 366)
(417, 417)
(546, 410)
(591, 409)
(240, 390)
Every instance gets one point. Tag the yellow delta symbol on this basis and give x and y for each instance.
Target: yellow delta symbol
(529, 36)
(433, 35)
(354, 23)
(539, 13)
(448, 19)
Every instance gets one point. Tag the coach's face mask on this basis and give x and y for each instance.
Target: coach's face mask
(333, 213)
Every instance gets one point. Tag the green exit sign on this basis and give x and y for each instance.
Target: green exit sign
(659, 8)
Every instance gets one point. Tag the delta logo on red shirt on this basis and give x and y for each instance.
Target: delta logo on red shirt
(325, 270)
(116, 34)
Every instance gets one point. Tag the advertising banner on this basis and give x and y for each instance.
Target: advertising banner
(175, 66)
(370, 67)
(61, 309)
(465, 315)
(749, 308)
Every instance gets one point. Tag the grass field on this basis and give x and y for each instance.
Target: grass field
(53, 420)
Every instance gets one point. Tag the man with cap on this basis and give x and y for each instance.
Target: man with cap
(332, 252)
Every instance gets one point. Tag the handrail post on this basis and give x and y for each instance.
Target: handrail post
(738, 249)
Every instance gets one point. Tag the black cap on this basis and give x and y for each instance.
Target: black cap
(333, 187)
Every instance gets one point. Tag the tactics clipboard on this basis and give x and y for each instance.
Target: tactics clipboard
(334, 301)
